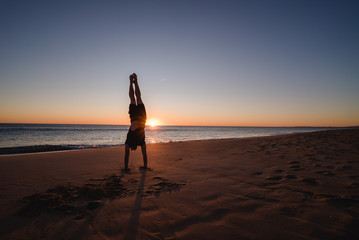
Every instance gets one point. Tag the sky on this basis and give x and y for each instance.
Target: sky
(211, 63)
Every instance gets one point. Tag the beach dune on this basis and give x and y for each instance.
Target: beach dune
(296, 186)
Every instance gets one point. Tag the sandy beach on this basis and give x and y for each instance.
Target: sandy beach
(296, 186)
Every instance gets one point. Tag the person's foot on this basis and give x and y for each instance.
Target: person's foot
(134, 78)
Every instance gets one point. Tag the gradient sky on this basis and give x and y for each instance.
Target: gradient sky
(244, 63)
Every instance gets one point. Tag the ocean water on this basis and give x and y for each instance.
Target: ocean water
(69, 136)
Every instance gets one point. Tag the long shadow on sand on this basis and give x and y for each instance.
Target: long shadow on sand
(132, 228)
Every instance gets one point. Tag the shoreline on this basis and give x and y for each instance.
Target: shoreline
(33, 149)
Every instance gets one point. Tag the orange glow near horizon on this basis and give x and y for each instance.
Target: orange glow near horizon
(183, 122)
(178, 119)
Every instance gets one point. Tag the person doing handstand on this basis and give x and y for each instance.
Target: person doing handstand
(136, 133)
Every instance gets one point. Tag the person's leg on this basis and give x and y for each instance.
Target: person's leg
(144, 154)
(131, 92)
(127, 155)
(137, 91)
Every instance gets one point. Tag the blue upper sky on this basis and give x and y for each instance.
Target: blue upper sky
(265, 63)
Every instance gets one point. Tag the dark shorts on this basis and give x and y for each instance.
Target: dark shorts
(135, 138)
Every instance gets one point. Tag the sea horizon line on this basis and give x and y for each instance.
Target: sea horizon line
(169, 125)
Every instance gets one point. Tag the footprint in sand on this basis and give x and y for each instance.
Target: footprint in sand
(310, 181)
(295, 165)
(159, 178)
(278, 171)
(163, 185)
(93, 205)
(290, 176)
(274, 178)
(257, 173)
(339, 201)
(297, 168)
(307, 195)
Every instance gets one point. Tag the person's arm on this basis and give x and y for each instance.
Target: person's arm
(131, 92)
(137, 89)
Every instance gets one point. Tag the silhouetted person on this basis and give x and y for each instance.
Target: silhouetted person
(136, 133)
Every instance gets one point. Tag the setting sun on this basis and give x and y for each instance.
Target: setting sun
(152, 123)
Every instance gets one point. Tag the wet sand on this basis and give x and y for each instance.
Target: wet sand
(297, 186)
